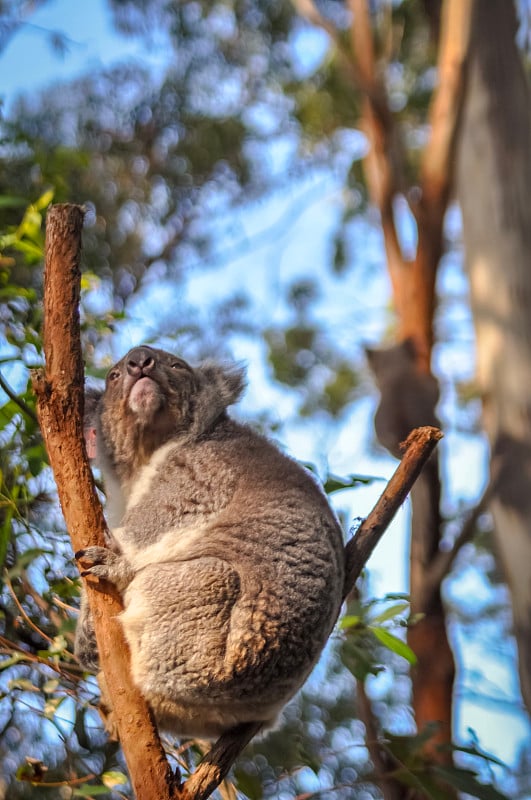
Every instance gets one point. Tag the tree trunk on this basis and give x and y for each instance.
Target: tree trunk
(408, 390)
(494, 187)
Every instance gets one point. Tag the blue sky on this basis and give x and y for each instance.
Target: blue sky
(29, 62)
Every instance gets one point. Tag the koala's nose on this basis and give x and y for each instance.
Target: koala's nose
(140, 361)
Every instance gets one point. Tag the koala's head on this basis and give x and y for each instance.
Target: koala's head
(391, 363)
(152, 396)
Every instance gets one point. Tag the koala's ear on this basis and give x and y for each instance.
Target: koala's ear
(227, 381)
(90, 420)
(219, 386)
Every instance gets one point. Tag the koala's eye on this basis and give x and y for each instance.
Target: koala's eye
(113, 375)
(177, 365)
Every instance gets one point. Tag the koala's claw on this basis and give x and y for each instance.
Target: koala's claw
(95, 555)
(106, 565)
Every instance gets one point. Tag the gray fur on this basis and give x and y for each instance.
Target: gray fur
(227, 554)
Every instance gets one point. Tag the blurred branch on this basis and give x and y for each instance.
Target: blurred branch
(437, 168)
(358, 77)
(384, 160)
(381, 759)
(437, 173)
(16, 399)
(22, 612)
(441, 564)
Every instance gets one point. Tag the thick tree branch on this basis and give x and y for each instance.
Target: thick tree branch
(59, 391)
(437, 174)
(218, 761)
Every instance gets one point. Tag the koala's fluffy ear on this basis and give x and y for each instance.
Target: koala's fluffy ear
(219, 387)
(90, 420)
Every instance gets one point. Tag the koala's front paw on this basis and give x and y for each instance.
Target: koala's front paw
(106, 565)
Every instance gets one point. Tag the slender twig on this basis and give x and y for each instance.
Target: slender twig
(442, 562)
(417, 449)
(60, 667)
(22, 612)
(16, 399)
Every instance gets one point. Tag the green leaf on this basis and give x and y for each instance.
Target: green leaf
(335, 483)
(394, 644)
(390, 613)
(466, 781)
(475, 751)
(113, 778)
(44, 200)
(87, 790)
(29, 249)
(12, 201)
(424, 781)
(349, 621)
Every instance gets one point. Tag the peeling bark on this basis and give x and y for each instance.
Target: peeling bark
(494, 189)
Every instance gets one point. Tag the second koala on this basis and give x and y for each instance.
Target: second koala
(228, 556)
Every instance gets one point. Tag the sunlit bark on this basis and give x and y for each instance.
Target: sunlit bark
(494, 188)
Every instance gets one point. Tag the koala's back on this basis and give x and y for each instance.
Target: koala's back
(239, 576)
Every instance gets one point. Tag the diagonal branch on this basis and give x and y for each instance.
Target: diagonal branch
(16, 399)
(417, 449)
(442, 562)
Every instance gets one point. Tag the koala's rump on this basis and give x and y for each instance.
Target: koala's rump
(210, 649)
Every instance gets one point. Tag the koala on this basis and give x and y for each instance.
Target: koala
(407, 396)
(227, 555)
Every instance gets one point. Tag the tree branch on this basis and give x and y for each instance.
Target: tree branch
(437, 173)
(417, 449)
(60, 393)
(16, 399)
(445, 109)
(442, 562)
(382, 764)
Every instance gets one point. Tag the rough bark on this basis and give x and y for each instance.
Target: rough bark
(60, 392)
(494, 189)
